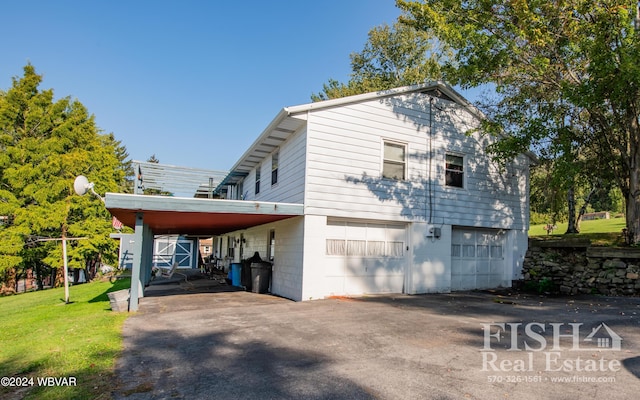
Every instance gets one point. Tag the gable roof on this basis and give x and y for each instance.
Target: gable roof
(290, 119)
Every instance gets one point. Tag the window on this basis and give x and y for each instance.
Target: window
(394, 161)
(231, 244)
(364, 248)
(356, 247)
(375, 248)
(454, 171)
(271, 249)
(336, 247)
(258, 179)
(275, 158)
(241, 195)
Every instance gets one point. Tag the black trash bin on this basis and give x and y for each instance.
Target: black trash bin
(260, 277)
(246, 275)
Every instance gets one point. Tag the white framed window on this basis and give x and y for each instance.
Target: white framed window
(275, 160)
(258, 178)
(454, 170)
(394, 160)
(271, 247)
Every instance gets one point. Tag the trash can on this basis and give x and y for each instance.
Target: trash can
(119, 300)
(245, 275)
(236, 271)
(260, 277)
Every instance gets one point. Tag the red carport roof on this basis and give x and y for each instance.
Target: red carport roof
(178, 215)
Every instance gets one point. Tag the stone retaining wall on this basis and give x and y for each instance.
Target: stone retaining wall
(577, 268)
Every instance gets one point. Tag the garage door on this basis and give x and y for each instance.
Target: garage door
(477, 259)
(364, 258)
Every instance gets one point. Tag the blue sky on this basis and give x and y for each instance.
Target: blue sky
(193, 82)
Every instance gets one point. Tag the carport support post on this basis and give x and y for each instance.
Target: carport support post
(138, 237)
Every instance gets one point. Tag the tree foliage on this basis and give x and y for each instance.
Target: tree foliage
(393, 56)
(567, 73)
(44, 145)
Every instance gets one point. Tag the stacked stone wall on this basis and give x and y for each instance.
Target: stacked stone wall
(577, 268)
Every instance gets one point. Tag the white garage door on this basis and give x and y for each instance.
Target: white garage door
(364, 258)
(477, 259)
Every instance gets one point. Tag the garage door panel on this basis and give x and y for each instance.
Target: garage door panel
(334, 267)
(482, 266)
(467, 282)
(357, 231)
(373, 257)
(355, 267)
(482, 281)
(373, 284)
(495, 281)
(482, 249)
(464, 267)
(387, 266)
(395, 233)
(497, 267)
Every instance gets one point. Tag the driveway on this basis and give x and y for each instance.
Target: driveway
(239, 345)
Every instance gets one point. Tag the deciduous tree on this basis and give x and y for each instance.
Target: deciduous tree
(578, 54)
(393, 56)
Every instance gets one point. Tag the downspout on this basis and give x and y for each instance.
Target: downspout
(429, 164)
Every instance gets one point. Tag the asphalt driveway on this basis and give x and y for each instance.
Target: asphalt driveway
(239, 345)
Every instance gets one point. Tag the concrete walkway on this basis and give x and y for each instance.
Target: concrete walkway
(222, 344)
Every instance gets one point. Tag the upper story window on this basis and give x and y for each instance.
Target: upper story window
(454, 171)
(240, 193)
(394, 161)
(258, 178)
(275, 159)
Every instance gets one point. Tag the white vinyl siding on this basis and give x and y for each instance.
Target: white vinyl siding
(344, 171)
(291, 170)
(286, 251)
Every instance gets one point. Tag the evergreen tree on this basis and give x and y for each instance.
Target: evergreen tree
(45, 144)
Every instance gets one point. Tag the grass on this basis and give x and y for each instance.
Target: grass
(40, 336)
(601, 232)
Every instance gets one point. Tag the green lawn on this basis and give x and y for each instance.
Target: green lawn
(40, 336)
(600, 231)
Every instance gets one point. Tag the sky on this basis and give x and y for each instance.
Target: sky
(193, 82)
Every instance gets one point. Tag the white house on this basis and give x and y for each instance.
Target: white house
(386, 192)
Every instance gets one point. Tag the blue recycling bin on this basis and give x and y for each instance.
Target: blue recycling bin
(236, 273)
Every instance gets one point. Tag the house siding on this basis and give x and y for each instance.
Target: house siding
(344, 166)
(333, 165)
(287, 264)
(291, 169)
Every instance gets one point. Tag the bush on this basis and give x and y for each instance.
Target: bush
(544, 285)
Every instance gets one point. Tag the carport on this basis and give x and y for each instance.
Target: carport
(159, 215)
